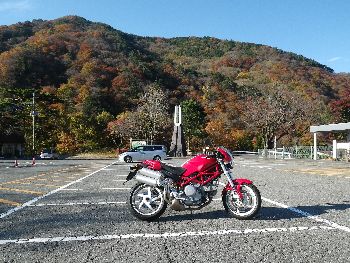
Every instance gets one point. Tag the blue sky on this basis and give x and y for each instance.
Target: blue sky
(317, 29)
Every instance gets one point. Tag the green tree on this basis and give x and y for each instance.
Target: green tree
(193, 119)
(15, 108)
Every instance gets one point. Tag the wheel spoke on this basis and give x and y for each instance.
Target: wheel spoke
(141, 204)
(149, 206)
(149, 195)
(156, 198)
(244, 208)
(148, 200)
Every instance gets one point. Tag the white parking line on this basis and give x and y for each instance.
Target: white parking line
(79, 203)
(90, 203)
(306, 214)
(9, 212)
(117, 188)
(168, 235)
(106, 188)
(125, 164)
(71, 189)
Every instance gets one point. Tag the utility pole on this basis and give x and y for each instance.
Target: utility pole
(33, 115)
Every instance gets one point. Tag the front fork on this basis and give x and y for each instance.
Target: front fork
(233, 185)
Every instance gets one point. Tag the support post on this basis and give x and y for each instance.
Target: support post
(334, 155)
(348, 150)
(33, 115)
(315, 145)
(311, 152)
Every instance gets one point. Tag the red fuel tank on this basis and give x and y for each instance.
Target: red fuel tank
(198, 163)
(153, 164)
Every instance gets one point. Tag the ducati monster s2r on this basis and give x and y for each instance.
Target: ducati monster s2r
(191, 187)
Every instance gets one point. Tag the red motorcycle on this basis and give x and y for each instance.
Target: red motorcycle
(191, 186)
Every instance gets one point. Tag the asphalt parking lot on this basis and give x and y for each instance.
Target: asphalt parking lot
(76, 211)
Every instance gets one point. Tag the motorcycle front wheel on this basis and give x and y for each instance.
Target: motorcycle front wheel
(147, 202)
(246, 208)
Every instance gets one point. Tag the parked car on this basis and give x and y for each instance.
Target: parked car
(144, 152)
(49, 154)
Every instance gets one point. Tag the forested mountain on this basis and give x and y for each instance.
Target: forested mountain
(91, 82)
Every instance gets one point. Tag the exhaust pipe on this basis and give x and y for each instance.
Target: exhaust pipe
(148, 176)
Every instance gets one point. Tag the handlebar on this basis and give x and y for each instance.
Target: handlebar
(215, 154)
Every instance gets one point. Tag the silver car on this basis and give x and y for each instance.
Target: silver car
(49, 154)
(144, 152)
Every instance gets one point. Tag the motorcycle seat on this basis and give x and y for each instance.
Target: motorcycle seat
(172, 171)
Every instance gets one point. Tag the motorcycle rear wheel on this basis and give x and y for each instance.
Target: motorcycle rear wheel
(147, 202)
(246, 208)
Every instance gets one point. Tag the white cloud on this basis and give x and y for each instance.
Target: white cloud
(14, 5)
(334, 59)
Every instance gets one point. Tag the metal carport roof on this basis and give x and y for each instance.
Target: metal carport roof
(331, 127)
(335, 127)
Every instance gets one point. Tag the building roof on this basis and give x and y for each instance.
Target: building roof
(331, 127)
(12, 138)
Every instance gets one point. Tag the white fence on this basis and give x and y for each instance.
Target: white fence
(297, 152)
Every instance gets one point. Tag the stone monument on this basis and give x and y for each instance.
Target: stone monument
(177, 147)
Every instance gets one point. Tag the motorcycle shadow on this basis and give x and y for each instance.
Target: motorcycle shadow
(266, 213)
(180, 216)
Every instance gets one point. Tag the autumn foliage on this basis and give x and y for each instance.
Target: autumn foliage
(93, 82)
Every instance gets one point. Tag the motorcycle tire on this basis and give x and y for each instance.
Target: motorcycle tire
(147, 202)
(249, 206)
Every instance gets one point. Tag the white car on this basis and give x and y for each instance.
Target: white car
(49, 154)
(144, 152)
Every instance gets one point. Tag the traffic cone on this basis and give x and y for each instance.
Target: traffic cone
(16, 163)
(33, 162)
